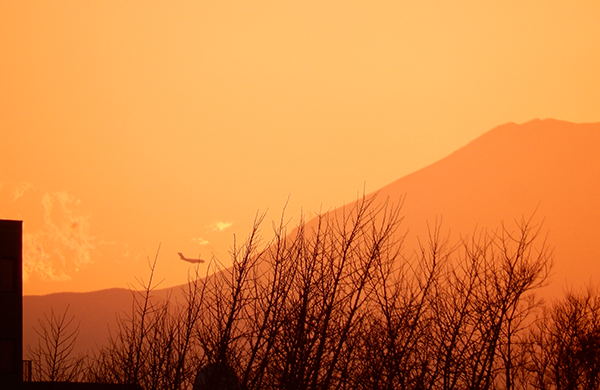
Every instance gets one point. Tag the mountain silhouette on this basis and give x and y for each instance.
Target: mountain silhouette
(547, 169)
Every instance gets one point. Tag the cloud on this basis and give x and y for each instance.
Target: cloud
(199, 241)
(63, 245)
(219, 226)
(20, 189)
(37, 262)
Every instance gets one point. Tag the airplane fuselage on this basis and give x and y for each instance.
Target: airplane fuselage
(195, 261)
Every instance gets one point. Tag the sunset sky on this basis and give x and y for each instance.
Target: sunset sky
(129, 124)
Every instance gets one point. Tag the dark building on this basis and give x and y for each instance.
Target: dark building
(11, 302)
(14, 373)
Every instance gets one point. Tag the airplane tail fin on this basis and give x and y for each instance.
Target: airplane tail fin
(181, 255)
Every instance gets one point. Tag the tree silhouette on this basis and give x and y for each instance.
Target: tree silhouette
(337, 304)
(565, 346)
(52, 357)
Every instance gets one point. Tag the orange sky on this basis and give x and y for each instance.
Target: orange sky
(125, 124)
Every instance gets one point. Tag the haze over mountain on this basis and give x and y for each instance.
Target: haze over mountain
(547, 167)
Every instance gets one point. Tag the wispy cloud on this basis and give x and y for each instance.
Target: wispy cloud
(200, 241)
(63, 245)
(20, 189)
(219, 226)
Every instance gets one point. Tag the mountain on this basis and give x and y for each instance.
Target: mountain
(547, 169)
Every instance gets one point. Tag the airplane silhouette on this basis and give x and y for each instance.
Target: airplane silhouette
(182, 257)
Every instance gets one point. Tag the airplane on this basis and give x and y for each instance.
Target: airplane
(182, 257)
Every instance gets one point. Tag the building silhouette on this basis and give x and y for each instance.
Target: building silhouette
(11, 302)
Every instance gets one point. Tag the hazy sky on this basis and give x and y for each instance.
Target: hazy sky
(125, 124)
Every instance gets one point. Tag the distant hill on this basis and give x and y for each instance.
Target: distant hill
(95, 312)
(549, 167)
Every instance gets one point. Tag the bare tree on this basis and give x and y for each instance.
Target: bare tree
(153, 345)
(565, 346)
(53, 357)
(337, 304)
(482, 307)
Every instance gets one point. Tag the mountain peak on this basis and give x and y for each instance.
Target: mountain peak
(544, 166)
